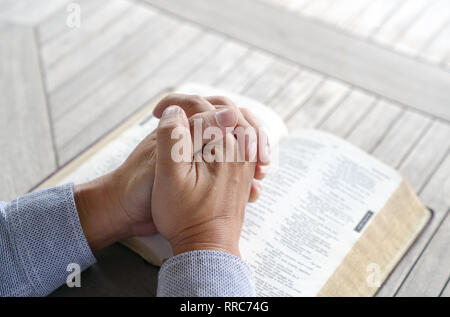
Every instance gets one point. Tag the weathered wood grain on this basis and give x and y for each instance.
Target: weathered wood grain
(293, 5)
(215, 67)
(270, 82)
(372, 128)
(317, 9)
(157, 76)
(401, 138)
(56, 23)
(360, 63)
(240, 77)
(427, 155)
(312, 112)
(439, 48)
(432, 270)
(427, 25)
(30, 12)
(341, 13)
(295, 93)
(394, 27)
(105, 42)
(25, 132)
(88, 111)
(72, 39)
(367, 21)
(348, 114)
(446, 291)
(91, 78)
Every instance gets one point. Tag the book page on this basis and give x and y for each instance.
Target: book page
(314, 207)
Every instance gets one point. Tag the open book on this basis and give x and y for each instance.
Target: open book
(331, 220)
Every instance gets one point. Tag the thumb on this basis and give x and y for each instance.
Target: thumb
(174, 144)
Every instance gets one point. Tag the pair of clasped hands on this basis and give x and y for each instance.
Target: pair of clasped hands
(195, 205)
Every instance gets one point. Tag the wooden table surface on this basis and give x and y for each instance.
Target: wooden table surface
(376, 73)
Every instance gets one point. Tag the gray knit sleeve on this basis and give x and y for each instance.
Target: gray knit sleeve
(205, 273)
(40, 235)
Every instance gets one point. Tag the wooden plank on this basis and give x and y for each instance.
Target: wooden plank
(317, 9)
(177, 69)
(90, 79)
(428, 24)
(432, 270)
(31, 12)
(344, 11)
(327, 96)
(295, 93)
(218, 65)
(439, 48)
(240, 77)
(427, 155)
(348, 114)
(160, 74)
(372, 17)
(372, 128)
(270, 82)
(75, 119)
(292, 5)
(432, 196)
(389, 33)
(360, 63)
(446, 291)
(73, 38)
(25, 132)
(401, 138)
(57, 22)
(420, 164)
(123, 27)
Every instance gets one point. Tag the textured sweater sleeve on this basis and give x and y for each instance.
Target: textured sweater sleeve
(205, 273)
(40, 235)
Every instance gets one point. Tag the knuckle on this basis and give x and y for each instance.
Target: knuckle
(225, 100)
(195, 100)
(169, 98)
(167, 127)
(250, 117)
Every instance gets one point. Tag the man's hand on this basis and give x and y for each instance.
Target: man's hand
(118, 205)
(199, 205)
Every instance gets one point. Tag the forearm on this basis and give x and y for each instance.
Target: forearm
(43, 232)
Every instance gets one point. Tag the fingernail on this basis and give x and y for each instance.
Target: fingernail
(226, 118)
(172, 111)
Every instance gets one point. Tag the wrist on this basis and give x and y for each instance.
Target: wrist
(98, 213)
(204, 239)
(178, 249)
